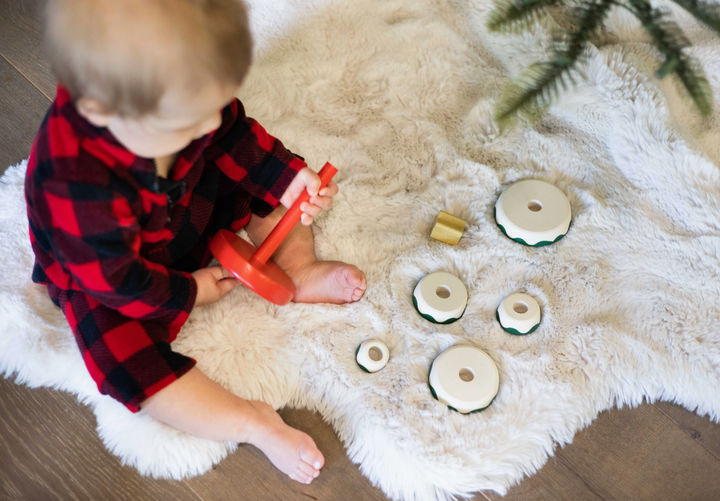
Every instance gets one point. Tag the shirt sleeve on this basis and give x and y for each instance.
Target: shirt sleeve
(130, 360)
(244, 151)
(94, 237)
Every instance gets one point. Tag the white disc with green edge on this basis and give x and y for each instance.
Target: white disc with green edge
(533, 212)
(440, 297)
(464, 378)
(372, 355)
(519, 314)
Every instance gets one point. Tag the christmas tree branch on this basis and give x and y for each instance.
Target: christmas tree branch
(670, 40)
(515, 15)
(538, 85)
(707, 13)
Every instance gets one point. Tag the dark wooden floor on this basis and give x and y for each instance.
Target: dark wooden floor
(49, 448)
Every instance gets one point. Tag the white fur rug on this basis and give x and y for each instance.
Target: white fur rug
(399, 95)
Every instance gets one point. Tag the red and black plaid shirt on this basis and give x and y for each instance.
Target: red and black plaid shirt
(115, 244)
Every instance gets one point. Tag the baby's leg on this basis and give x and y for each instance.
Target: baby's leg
(197, 405)
(316, 281)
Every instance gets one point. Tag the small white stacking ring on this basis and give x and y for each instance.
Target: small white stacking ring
(464, 378)
(519, 314)
(440, 297)
(372, 355)
(533, 213)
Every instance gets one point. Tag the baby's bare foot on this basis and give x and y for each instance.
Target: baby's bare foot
(328, 282)
(291, 451)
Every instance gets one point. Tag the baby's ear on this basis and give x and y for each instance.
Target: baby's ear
(93, 111)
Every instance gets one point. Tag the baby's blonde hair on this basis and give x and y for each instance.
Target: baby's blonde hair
(124, 53)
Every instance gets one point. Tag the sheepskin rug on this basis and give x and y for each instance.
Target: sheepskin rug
(399, 95)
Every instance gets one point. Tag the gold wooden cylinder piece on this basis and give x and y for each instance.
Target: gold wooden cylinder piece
(448, 228)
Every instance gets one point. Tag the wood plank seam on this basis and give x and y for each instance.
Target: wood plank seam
(193, 490)
(568, 465)
(50, 99)
(483, 495)
(691, 435)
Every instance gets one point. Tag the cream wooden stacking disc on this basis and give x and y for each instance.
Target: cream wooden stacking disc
(440, 297)
(519, 314)
(464, 378)
(372, 355)
(533, 213)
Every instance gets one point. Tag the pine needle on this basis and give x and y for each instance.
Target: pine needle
(530, 91)
(513, 16)
(693, 78)
(707, 13)
(539, 84)
(670, 40)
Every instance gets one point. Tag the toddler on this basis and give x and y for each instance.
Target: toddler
(143, 156)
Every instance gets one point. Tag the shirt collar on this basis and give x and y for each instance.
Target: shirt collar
(143, 169)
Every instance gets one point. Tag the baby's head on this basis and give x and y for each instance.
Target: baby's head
(155, 72)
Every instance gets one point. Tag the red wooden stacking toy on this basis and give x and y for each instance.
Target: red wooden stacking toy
(252, 266)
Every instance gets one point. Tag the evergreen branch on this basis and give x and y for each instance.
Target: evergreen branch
(693, 78)
(670, 40)
(538, 85)
(591, 17)
(667, 35)
(516, 15)
(708, 13)
(531, 90)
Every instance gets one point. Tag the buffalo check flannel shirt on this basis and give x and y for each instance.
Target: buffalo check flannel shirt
(115, 244)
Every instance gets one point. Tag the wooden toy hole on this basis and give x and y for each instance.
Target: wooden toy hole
(375, 354)
(466, 374)
(534, 206)
(520, 307)
(443, 292)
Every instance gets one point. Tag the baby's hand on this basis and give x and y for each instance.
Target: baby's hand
(308, 179)
(212, 284)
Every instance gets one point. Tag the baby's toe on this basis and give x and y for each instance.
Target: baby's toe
(307, 469)
(357, 294)
(310, 454)
(356, 278)
(300, 476)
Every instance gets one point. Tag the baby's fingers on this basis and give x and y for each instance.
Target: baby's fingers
(311, 180)
(226, 285)
(310, 209)
(216, 272)
(306, 219)
(224, 280)
(323, 202)
(330, 190)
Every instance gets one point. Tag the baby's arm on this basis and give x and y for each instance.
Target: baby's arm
(271, 174)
